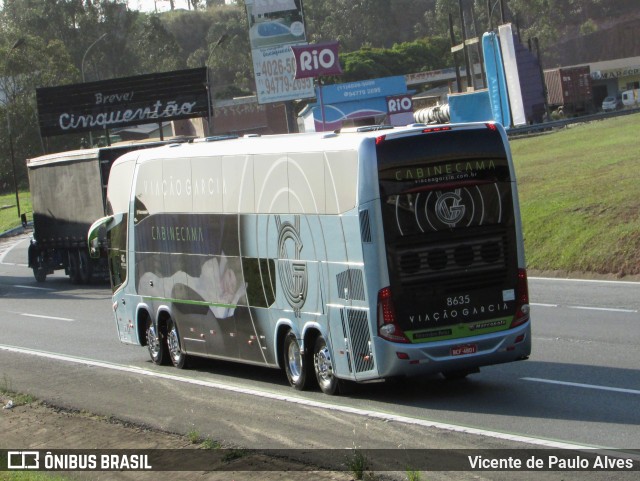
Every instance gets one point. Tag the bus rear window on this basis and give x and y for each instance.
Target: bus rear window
(431, 161)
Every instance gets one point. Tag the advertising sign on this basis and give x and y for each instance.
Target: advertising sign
(316, 60)
(143, 99)
(399, 104)
(274, 26)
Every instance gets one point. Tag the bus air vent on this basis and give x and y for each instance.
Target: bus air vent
(360, 340)
(350, 285)
(365, 226)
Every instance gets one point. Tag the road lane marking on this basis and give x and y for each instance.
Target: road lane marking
(35, 288)
(40, 316)
(595, 281)
(588, 308)
(587, 386)
(608, 309)
(549, 443)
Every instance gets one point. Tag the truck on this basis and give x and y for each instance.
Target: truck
(68, 192)
(630, 98)
(570, 88)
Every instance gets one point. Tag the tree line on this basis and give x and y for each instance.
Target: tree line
(55, 42)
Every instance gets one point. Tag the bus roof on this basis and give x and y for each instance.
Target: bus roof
(346, 139)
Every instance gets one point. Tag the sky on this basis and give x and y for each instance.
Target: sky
(157, 5)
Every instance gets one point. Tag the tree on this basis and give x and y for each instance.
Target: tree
(227, 52)
(33, 64)
(157, 50)
(409, 57)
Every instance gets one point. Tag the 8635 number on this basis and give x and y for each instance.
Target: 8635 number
(458, 300)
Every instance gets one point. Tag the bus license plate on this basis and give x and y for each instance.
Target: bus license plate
(464, 350)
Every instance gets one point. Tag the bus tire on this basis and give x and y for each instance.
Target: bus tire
(295, 365)
(323, 367)
(156, 345)
(177, 355)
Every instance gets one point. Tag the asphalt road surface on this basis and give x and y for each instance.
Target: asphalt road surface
(580, 388)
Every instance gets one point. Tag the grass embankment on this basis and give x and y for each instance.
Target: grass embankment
(580, 197)
(9, 210)
(579, 194)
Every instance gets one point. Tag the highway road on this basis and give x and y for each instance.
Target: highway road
(581, 386)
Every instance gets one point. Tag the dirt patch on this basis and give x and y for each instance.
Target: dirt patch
(39, 426)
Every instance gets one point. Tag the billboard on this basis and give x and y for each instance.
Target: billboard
(143, 99)
(316, 60)
(275, 26)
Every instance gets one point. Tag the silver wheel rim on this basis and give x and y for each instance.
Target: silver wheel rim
(174, 345)
(153, 342)
(294, 361)
(324, 366)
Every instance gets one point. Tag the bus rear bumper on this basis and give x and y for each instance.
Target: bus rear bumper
(396, 360)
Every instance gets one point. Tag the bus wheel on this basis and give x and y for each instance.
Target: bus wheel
(177, 355)
(157, 348)
(294, 362)
(323, 366)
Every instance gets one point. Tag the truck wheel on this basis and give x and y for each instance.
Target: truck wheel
(40, 274)
(157, 347)
(177, 355)
(323, 366)
(85, 267)
(295, 365)
(74, 267)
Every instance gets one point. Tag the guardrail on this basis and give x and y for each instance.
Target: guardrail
(555, 124)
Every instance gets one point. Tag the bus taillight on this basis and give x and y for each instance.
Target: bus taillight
(522, 300)
(388, 327)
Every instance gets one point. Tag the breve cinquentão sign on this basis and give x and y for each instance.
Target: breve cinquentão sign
(143, 99)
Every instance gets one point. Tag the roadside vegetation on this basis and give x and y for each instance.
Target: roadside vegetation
(9, 212)
(580, 197)
(579, 194)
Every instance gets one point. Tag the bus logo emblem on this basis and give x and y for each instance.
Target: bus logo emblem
(292, 271)
(449, 209)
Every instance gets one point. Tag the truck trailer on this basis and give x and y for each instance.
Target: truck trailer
(68, 192)
(570, 88)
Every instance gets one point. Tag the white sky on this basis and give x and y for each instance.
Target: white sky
(158, 5)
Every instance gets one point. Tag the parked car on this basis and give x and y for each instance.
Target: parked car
(612, 103)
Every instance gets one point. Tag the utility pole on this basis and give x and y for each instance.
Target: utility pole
(18, 43)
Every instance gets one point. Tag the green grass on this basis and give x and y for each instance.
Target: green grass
(9, 210)
(580, 197)
(26, 476)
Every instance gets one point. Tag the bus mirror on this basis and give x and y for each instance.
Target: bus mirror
(93, 238)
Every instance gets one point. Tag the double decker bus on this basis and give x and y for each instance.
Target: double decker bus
(359, 255)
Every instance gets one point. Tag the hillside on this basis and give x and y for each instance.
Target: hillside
(580, 197)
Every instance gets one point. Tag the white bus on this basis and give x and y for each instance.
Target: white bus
(351, 256)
